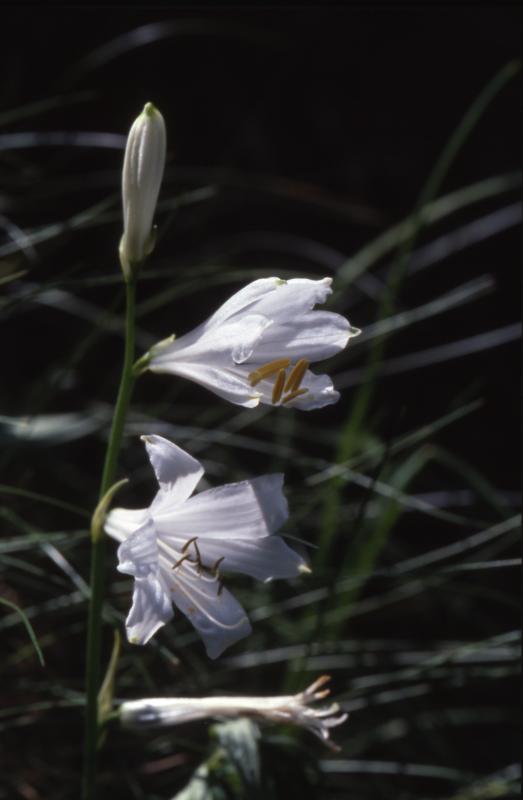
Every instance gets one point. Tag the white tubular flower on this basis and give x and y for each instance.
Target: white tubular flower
(257, 347)
(177, 548)
(142, 174)
(293, 709)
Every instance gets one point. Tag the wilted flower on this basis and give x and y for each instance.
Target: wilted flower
(142, 174)
(257, 347)
(177, 548)
(294, 709)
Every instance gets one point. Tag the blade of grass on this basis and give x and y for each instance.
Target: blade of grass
(28, 627)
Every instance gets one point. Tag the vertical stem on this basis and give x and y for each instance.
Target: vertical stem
(94, 625)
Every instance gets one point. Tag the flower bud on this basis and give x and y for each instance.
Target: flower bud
(143, 167)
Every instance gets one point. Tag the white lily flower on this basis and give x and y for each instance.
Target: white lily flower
(257, 347)
(142, 174)
(177, 548)
(294, 709)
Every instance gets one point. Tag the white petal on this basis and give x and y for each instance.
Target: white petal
(219, 618)
(138, 554)
(151, 608)
(264, 558)
(248, 509)
(233, 341)
(320, 393)
(177, 472)
(315, 336)
(226, 383)
(244, 301)
(121, 522)
(293, 298)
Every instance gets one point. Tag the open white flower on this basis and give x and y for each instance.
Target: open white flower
(294, 709)
(177, 548)
(257, 347)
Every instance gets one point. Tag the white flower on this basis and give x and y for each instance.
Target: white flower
(256, 348)
(295, 709)
(177, 548)
(142, 174)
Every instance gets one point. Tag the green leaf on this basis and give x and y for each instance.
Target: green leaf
(232, 772)
(28, 626)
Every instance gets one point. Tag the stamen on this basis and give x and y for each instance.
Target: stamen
(296, 375)
(267, 370)
(277, 389)
(198, 556)
(181, 560)
(197, 559)
(294, 395)
(215, 569)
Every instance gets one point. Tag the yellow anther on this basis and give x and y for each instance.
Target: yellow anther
(277, 389)
(296, 375)
(267, 370)
(294, 395)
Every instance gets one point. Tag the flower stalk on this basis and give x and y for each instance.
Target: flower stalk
(97, 581)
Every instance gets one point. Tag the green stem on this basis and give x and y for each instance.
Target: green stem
(94, 629)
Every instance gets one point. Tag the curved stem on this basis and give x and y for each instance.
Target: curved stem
(94, 626)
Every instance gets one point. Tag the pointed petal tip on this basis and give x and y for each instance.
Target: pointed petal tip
(150, 109)
(304, 569)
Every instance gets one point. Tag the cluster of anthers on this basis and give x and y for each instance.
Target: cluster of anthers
(318, 720)
(286, 387)
(196, 560)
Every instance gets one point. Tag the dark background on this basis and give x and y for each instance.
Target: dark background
(318, 129)
(293, 111)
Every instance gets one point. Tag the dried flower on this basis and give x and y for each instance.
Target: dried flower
(294, 709)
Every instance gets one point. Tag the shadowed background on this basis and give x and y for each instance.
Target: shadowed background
(299, 141)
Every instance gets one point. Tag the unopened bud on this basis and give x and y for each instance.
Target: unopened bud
(143, 168)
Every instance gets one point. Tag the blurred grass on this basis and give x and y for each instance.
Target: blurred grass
(411, 606)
